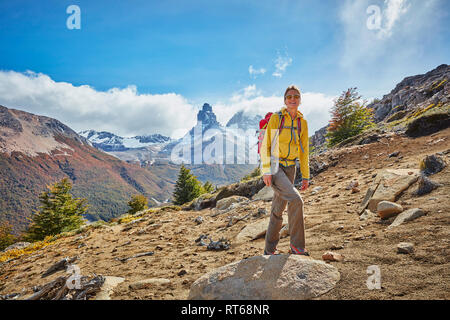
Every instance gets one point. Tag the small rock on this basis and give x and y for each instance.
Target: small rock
(405, 247)
(221, 244)
(355, 190)
(352, 185)
(81, 245)
(336, 247)
(332, 256)
(182, 273)
(147, 283)
(201, 239)
(198, 220)
(386, 209)
(316, 189)
(366, 215)
(260, 212)
(394, 154)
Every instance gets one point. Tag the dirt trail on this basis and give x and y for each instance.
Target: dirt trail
(331, 222)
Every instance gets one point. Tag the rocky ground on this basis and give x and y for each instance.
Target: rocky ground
(332, 224)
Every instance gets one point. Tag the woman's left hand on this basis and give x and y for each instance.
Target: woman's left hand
(305, 185)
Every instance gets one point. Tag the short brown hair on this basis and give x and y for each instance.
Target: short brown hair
(292, 87)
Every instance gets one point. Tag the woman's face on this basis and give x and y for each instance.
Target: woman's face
(292, 99)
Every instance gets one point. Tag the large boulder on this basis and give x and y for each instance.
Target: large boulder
(245, 189)
(407, 215)
(265, 194)
(428, 124)
(388, 185)
(432, 164)
(108, 287)
(426, 185)
(17, 245)
(225, 203)
(274, 277)
(387, 209)
(255, 230)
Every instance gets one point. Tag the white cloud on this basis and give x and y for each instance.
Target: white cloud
(394, 10)
(127, 113)
(281, 63)
(254, 72)
(391, 33)
(121, 111)
(315, 106)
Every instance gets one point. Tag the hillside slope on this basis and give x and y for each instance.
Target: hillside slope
(36, 151)
(332, 223)
(410, 99)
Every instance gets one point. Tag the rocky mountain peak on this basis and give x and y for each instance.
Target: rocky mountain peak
(415, 92)
(244, 121)
(31, 134)
(410, 97)
(207, 117)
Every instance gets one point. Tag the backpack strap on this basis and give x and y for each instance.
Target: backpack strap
(280, 116)
(280, 127)
(299, 130)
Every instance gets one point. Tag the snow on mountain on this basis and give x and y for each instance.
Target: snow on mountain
(107, 141)
(208, 142)
(244, 121)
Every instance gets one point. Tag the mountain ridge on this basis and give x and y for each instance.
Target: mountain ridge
(36, 151)
(414, 94)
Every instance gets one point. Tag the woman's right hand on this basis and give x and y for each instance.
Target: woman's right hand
(267, 179)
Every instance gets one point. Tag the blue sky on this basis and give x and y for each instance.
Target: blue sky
(158, 56)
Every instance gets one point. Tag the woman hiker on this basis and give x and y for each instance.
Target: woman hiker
(282, 145)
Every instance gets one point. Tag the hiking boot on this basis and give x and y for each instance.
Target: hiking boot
(302, 252)
(276, 252)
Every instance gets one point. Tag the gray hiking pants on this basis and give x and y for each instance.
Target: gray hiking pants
(285, 193)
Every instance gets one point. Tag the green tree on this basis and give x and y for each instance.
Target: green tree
(138, 203)
(208, 187)
(187, 187)
(349, 117)
(255, 173)
(59, 212)
(6, 236)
